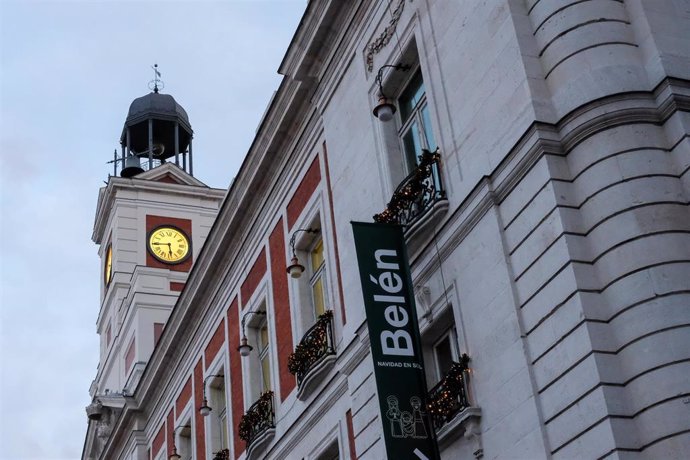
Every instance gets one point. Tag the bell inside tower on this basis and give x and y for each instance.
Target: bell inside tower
(157, 130)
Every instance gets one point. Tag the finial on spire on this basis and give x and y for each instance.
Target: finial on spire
(156, 80)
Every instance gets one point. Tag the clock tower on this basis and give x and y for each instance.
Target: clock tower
(151, 222)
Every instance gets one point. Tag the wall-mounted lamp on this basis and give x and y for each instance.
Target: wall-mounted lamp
(175, 455)
(385, 109)
(205, 409)
(245, 349)
(295, 269)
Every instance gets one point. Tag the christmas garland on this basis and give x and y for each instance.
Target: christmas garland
(310, 349)
(410, 191)
(258, 416)
(223, 454)
(444, 404)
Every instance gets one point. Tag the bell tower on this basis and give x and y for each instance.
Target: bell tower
(151, 223)
(156, 130)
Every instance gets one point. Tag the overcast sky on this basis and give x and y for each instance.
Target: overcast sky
(69, 70)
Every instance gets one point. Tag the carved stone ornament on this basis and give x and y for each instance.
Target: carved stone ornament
(385, 36)
(422, 294)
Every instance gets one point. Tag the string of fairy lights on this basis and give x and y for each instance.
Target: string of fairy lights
(410, 192)
(451, 397)
(223, 454)
(312, 347)
(259, 415)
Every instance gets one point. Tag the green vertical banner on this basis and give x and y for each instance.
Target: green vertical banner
(396, 346)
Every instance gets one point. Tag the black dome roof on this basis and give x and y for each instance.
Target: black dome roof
(165, 117)
(157, 106)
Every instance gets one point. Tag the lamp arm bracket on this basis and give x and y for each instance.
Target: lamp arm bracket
(294, 236)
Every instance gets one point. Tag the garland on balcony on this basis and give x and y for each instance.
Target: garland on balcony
(445, 403)
(413, 187)
(255, 416)
(307, 352)
(223, 454)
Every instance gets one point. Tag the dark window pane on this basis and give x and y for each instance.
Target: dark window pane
(428, 133)
(444, 356)
(411, 96)
(413, 146)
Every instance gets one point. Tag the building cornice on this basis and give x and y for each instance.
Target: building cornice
(107, 196)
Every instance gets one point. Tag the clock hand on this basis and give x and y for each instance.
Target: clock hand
(170, 249)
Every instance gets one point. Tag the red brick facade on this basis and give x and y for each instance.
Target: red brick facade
(157, 332)
(350, 435)
(169, 432)
(177, 287)
(236, 394)
(129, 356)
(304, 191)
(215, 343)
(281, 307)
(184, 396)
(158, 441)
(255, 274)
(199, 429)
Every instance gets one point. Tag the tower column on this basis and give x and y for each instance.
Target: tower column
(150, 144)
(190, 155)
(177, 143)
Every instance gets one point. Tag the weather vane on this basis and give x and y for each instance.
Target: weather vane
(156, 83)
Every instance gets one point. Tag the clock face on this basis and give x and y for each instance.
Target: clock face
(169, 244)
(108, 268)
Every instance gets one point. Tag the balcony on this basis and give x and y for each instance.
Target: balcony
(449, 396)
(450, 411)
(223, 454)
(420, 192)
(314, 355)
(257, 426)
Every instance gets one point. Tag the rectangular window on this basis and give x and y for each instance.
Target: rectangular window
(264, 356)
(317, 279)
(445, 353)
(415, 124)
(218, 417)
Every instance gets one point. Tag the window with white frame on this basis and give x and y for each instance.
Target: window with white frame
(317, 278)
(415, 123)
(218, 418)
(312, 288)
(263, 349)
(257, 364)
(441, 346)
(412, 133)
(332, 452)
(184, 441)
(445, 368)
(445, 352)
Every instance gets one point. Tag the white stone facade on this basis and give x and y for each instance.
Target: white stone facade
(562, 253)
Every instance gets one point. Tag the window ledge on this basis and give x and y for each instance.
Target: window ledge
(255, 449)
(466, 424)
(422, 231)
(314, 376)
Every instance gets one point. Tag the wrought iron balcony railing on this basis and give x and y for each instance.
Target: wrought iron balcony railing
(258, 418)
(316, 344)
(449, 396)
(416, 194)
(223, 454)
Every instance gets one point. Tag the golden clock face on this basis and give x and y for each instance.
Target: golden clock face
(108, 268)
(169, 244)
